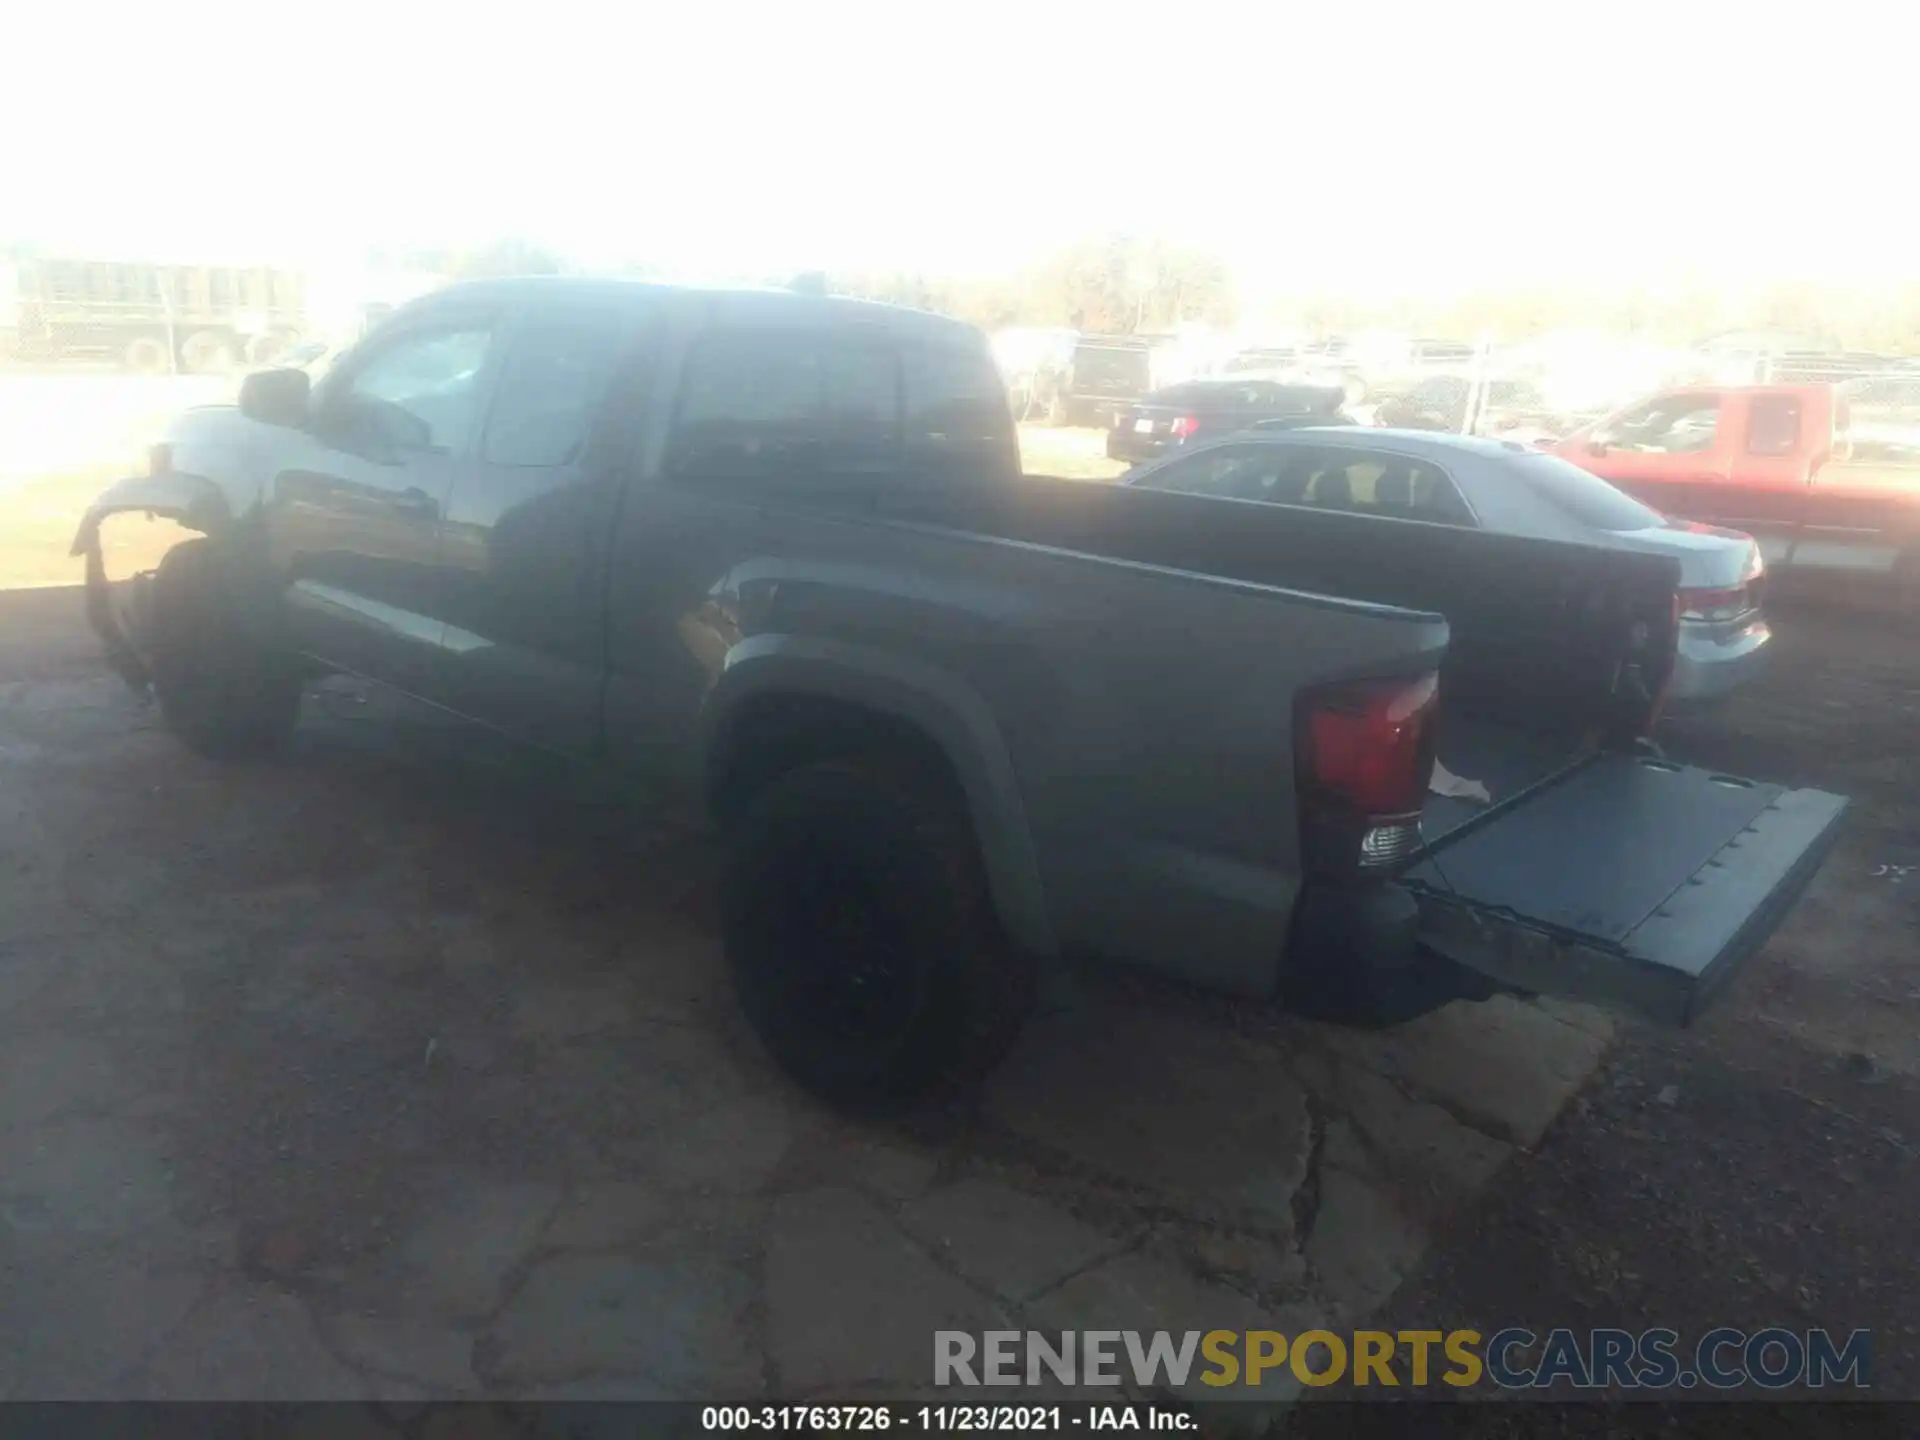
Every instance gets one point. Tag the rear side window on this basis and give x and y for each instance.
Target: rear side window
(748, 406)
(956, 410)
(1583, 495)
(1773, 425)
(860, 404)
(1274, 473)
(553, 382)
(765, 407)
(1381, 483)
(1355, 482)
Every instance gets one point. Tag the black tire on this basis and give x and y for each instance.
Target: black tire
(223, 687)
(862, 938)
(146, 356)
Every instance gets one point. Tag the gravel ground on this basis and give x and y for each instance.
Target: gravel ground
(1757, 1170)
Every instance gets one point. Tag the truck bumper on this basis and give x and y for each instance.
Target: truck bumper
(1356, 958)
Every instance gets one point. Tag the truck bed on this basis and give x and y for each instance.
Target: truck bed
(1553, 640)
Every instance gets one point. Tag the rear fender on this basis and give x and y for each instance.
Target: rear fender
(943, 708)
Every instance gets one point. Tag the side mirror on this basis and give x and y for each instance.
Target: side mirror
(276, 397)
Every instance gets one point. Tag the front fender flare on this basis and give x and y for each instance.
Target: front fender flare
(949, 712)
(195, 503)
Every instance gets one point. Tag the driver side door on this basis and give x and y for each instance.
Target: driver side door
(357, 519)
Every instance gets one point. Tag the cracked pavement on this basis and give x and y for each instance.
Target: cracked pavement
(408, 1069)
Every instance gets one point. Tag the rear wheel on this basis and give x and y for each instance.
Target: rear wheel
(146, 356)
(864, 943)
(224, 688)
(207, 352)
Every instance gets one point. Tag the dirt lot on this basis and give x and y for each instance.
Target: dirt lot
(407, 1068)
(1761, 1168)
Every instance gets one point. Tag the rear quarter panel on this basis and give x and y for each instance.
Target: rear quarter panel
(1123, 733)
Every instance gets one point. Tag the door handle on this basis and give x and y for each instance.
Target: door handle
(415, 501)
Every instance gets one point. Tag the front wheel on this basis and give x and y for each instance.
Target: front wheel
(224, 687)
(862, 937)
(145, 355)
(207, 352)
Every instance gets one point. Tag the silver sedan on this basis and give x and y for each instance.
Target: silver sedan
(1496, 485)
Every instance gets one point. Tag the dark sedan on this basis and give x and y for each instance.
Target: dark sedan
(1202, 409)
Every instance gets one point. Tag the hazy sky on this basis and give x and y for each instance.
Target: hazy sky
(1437, 144)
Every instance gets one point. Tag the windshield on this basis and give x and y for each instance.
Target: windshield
(1584, 495)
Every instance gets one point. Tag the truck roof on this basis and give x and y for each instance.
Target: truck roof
(729, 303)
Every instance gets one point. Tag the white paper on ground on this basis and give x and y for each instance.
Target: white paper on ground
(1445, 782)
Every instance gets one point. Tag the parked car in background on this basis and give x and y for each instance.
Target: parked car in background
(1439, 402)
(1466, 482)
(1778, 461)
(1201, 409)
(1260, 361)
(1104, 374)
(1032, 360)
(1885, 414)
(154, 318)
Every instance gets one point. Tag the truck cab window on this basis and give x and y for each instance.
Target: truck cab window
(748, 406)
(422, 391)
(1672, 425)
(758, 407)
(554, 378)
(956, 410)
(860, 408)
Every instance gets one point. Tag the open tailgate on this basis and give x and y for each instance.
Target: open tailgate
(1627, 880)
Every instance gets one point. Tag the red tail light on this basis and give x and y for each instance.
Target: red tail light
(1184, 426)
(1365, 759)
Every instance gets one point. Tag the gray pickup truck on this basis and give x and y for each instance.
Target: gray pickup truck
(952, 721)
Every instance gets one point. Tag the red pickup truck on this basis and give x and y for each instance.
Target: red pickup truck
(1777, 461)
